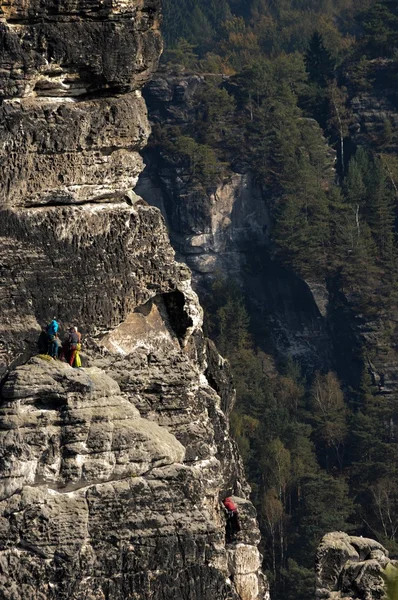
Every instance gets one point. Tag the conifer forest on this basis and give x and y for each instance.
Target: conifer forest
(282, 80)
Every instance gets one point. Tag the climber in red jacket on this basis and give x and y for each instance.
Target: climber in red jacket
(233, 525)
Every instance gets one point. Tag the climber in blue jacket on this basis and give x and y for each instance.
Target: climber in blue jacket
(53, 327)
(53, 345)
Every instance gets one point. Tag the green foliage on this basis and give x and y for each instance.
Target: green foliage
(390, 577)
(289, 158)
(243, 30)
(182, 54)
(195, 20)
(199, 161)
(300, 582)
(279, 77)
(289, 24)
(297, 500)
(324, 506)
(203, 165)
(380, 30)
(318, 61)
(215, 112)
(329, 416)
(374, 465)
(366, 232)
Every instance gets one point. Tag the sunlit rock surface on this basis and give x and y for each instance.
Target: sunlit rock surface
(350, 567)
(111, 476)
(72, 117)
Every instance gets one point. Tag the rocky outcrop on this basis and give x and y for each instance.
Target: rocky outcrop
(111, 476)
(212, 232)
(374, 105)
(225, 231)
(350, 567)
(214, 229)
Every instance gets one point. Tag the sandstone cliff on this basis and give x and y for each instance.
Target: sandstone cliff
(350, 567)
(110, 477)
(225, 231)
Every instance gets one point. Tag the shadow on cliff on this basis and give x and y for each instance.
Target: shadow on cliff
(289, 320)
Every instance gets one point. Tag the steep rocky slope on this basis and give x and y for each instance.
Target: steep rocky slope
(224, 231)
(227, 230)
(111, 476)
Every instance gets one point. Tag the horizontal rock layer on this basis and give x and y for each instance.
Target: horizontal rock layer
(90, 264)
(69, 132)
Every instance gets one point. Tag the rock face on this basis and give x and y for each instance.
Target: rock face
(225, 231)
(110, 487)
(110, 476)
(374, 107)
(213, 230)
(72, 123)
(350, 567)
(72, 114)
(212, 233)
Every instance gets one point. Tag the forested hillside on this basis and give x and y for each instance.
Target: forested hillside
(321, 448)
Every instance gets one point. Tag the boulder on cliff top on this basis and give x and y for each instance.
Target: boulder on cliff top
(350, 567)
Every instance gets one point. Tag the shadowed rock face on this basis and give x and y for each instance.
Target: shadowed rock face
(110, 476)
(376, 105)
(224, 231)
(350, 567)
(87, 45)
(213, 229)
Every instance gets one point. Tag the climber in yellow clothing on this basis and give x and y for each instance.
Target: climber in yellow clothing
(73, 347)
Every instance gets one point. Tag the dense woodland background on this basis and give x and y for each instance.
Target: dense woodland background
(320, 455)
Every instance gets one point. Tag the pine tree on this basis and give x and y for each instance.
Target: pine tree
(355, 183)
(182, 54)
(319, 63)
(380, 27)
(324, 506)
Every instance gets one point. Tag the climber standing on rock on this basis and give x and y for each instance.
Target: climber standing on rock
(74, 345)
(53, 342)
(233, 525)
